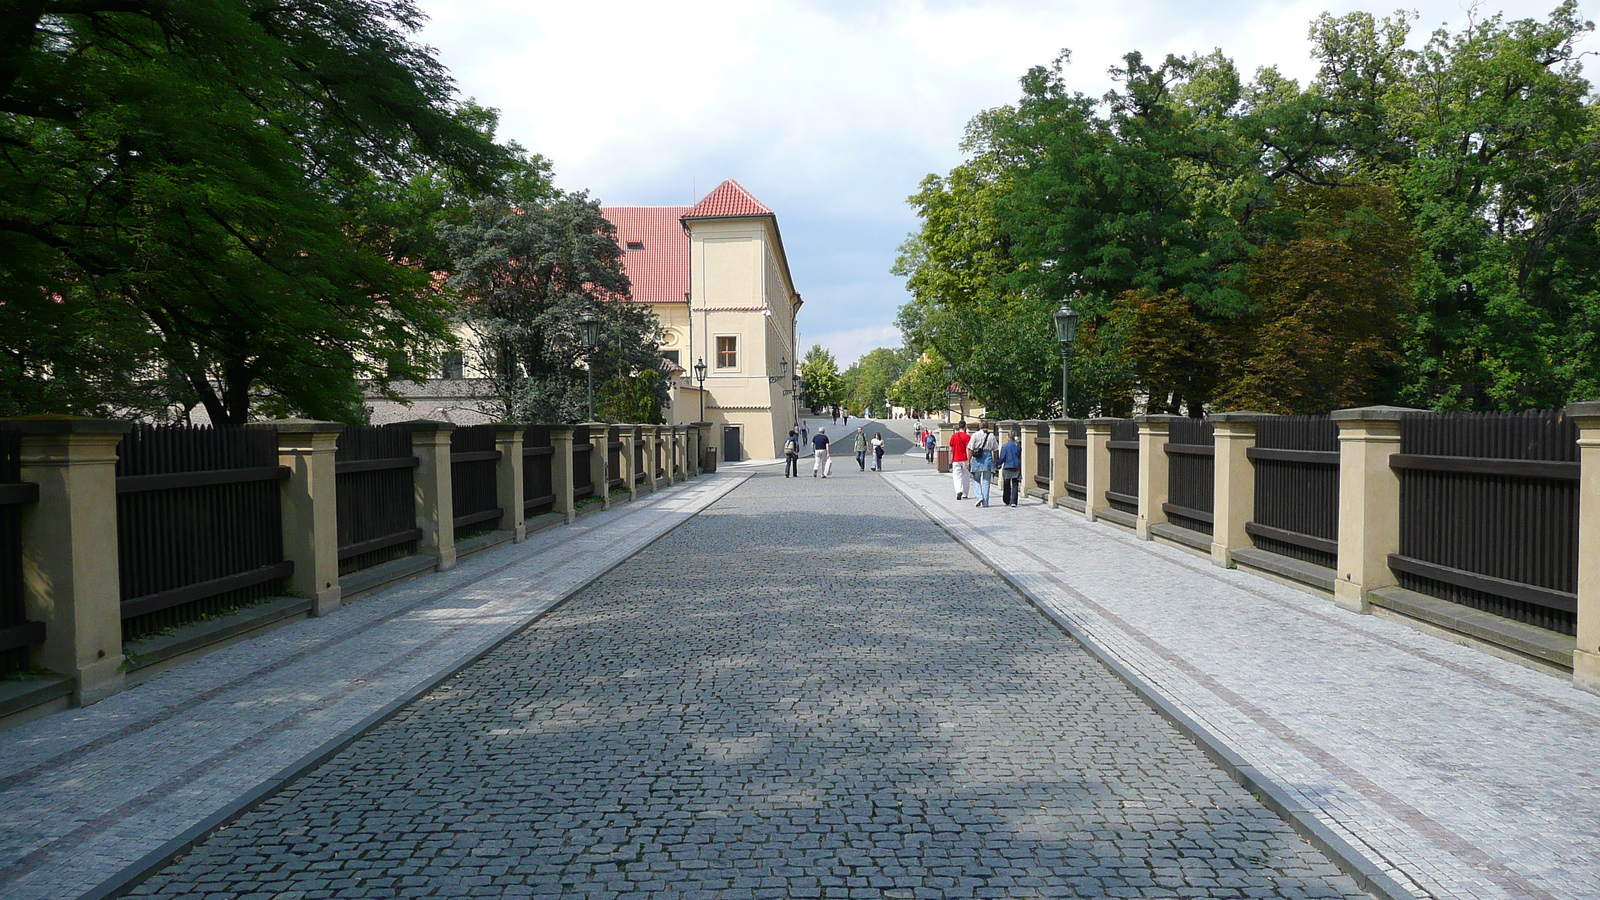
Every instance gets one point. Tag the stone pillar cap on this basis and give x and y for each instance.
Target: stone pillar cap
(307, 426)
(1157, 417)
(55, 424)
(1240, 416)
(558, 428)
(1376, 413)
(1584, 408)
(426, 425)
(1104, 420)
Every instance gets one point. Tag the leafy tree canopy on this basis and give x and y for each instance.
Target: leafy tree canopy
(824, 386)
(1414, 226)
(196, 203)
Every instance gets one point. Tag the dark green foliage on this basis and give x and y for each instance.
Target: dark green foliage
(1477, 157)
(187, 199)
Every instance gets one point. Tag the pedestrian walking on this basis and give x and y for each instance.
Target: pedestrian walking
(877, 452)
(860, 447)
(805, 432)
(930, 440)
(1011, 471)
(959, 473)
(981, 450)
(820, 463)
(791, 456)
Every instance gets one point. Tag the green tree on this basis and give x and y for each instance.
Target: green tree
(526, 270)
(631, 399)
(184, 196)
(824, 386)
(875, 374)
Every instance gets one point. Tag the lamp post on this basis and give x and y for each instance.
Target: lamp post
(1066, 331)
(956, 393)
(700, 376)
(589, 335)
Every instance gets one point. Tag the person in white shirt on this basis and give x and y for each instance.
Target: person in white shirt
(876, 444)
(981, 455)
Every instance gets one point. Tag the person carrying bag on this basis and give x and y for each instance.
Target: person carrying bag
(981, 452)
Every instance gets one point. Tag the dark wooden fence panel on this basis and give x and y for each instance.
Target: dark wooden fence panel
(582, 462)
(1489, 513)
(17, 634)
(1191, 467)
(615, 446)
(1123, 493)
(199, 526)
(1296, 460)
(1041, 455)
(659, 443)
(1077, 460)
(538, 459)
(375, 475)
(475, 503)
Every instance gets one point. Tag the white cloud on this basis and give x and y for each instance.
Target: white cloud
(830, 111)
(849, 346)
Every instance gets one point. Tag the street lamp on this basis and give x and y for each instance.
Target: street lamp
(956, 393)
(700, 376)
(589, 333)
(1066, 331)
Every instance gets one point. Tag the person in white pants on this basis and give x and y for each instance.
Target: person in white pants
(819, 453)
(960, 467)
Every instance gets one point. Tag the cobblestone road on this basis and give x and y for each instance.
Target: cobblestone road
(771, 701)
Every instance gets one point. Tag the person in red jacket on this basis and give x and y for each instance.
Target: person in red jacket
(960, 471)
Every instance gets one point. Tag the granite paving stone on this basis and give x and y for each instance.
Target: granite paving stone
(1460, 774)
(773, 700)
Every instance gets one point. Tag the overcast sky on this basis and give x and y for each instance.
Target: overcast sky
(829, 111)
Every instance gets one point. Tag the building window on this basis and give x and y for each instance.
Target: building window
(671, 356)
(727, 352)
(636, 245)
(452, 364)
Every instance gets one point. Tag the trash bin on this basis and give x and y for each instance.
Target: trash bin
(710, 462)
(942, 460)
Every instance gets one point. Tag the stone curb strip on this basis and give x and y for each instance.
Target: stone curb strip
(1274, 796)
(709, 490)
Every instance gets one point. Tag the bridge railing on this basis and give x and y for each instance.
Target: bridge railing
(218, 532)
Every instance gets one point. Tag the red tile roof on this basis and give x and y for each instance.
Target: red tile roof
(729, 199)
(660, 269)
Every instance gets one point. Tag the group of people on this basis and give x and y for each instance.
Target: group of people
(821, 456)
(977, 456)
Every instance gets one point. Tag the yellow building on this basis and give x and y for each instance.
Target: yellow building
(716, 276)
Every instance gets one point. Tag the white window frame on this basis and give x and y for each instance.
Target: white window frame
(716, 343)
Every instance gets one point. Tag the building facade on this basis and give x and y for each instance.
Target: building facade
(717, 277)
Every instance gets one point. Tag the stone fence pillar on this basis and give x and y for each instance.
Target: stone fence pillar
(1097, 472)
(70, 580)
(1233, 484)
(310, 504)
(561, 472)
(430, 443)
(1057, 494)
(1586, 655)
(1153, 471)
(629, 455)
(1369, 502)
(510, 474)
(599, 457)
(648, 439)
(1030, 455)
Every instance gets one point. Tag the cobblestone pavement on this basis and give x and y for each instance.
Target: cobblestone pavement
(1460, 774)
(88, 793)
(767, 702)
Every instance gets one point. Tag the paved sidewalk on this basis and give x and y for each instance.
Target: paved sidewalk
(88, 793)
(1461, 774)
(722, 718)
